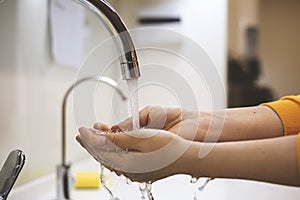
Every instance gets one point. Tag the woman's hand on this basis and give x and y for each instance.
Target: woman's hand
(145, 155)
(173, 119)
(235, 124)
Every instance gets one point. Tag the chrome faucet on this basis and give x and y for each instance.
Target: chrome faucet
(63, 170)
(116, 26)
(129, 69)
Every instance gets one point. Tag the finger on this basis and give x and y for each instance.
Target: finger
(79, 140)
(126, 125)
(144, 116)
(101, 127)
(156, 117)
(94, 140)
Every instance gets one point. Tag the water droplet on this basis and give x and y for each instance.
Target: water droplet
(145, 189)
(195, 196)
(149, 186)
(128, 181)
(103, 183)
(142, 187)
(193, 180)
(201, 188)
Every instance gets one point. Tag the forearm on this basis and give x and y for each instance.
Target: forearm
(248, 123)
(269, 160)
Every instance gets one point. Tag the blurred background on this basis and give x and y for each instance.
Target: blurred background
(263, 48)
(253, 43)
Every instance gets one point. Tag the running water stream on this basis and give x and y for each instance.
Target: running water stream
(201, 187)
(133, 101)
(145, 188)
(103, 183)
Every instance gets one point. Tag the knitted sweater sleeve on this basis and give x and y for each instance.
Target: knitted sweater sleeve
(288, 110)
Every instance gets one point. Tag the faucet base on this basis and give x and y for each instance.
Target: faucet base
(63, 182)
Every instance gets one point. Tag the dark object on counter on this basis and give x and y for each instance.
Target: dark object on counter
(243, 89)
(243, 72)
(10, 171)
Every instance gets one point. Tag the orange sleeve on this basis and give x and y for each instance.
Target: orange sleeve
(288, 110)
(298, 152)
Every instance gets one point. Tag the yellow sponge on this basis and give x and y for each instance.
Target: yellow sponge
(87, 179)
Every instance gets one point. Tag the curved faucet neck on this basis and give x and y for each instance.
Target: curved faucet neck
(112, 20)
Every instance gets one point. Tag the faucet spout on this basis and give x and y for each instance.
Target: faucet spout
(116, 26)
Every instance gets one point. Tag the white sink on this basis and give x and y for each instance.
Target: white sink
(176, 187)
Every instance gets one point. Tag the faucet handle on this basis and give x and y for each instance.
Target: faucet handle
(10, 171)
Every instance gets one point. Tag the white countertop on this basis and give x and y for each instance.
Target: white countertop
(176, 187)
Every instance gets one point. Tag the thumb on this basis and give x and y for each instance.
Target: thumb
(126, 125)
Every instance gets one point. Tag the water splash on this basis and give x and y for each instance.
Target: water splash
(103, 183)
(128, 181)
(195, 196)
(201, 188)
(193, 180)
(145, 189)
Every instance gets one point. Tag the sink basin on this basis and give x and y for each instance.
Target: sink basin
(176, 187)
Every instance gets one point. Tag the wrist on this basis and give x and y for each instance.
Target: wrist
(192, 164)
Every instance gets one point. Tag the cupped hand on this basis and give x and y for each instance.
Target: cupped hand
(144, 155)
(172, 119)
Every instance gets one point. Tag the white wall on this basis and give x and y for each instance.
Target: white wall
(32, 88)
(203, 23)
